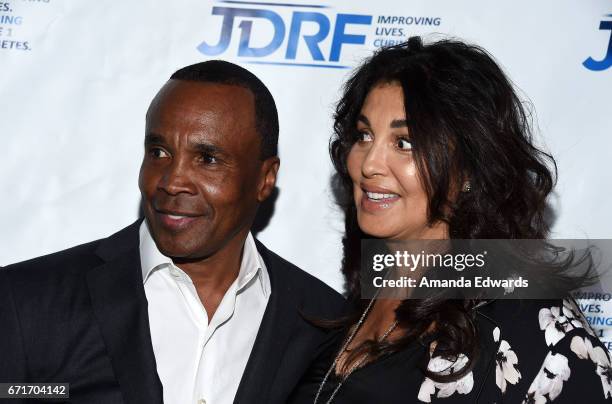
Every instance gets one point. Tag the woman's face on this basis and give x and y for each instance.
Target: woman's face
(391, 201)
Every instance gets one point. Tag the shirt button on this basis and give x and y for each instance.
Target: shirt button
(201, 401)
(176, 274)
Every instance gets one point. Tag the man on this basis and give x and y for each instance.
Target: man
(184, 306)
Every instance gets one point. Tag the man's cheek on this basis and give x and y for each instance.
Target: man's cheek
(220, 191)
(146, 183)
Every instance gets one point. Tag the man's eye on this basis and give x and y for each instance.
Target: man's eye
(209, 158)
(404, 144)
(364, 137)
(158, 153)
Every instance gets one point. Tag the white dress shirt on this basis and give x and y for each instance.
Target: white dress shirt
(198, 362)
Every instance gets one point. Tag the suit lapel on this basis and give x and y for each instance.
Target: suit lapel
(274, 334)
(120, 307)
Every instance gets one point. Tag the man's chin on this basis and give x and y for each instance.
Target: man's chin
(176, 249)
(184, 247)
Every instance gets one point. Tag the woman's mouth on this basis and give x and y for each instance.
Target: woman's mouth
(377, 201)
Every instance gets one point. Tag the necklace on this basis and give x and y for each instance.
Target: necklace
(344, 349)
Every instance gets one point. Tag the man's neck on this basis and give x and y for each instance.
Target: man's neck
(213, 275)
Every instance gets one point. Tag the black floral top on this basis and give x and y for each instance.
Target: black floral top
(531, 352)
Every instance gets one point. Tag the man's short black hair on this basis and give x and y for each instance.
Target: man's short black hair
(222, 72)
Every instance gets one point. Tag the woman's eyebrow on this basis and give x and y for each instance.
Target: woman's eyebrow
(398, 123)
(363, 119)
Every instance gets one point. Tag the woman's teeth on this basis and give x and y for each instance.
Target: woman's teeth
(375, 196)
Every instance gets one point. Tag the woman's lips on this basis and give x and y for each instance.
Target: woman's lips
(377, 201)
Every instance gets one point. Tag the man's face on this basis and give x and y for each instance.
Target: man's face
(202, 178)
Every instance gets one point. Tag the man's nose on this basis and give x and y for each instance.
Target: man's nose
(177, 178)
(375, 161)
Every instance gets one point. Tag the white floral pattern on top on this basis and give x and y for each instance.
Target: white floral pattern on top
(583, 348)
(441, 390)
(548, 383)
(557, 321)
(507, 362)
(577, 314)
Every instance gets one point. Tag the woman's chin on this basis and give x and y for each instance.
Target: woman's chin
(375, 230)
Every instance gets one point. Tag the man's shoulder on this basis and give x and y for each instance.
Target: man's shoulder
(318, 295)
(64, 261)
(74, 260)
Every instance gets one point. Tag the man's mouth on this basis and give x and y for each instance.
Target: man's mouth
(176, 217)
(176, 220)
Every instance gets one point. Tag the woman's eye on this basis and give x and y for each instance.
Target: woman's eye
(364, 137)
(158, 153)
(404, 144)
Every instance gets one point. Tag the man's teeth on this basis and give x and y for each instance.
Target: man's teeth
(376, 196)
(175, 217)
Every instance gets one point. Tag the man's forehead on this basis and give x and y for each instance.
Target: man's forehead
(196, 101)
(203, 93)
(198, 113)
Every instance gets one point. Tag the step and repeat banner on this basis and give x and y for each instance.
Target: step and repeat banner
(76, 78)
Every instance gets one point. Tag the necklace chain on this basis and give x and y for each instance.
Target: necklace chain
(348, 340)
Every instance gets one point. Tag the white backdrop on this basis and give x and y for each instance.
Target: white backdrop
(76, 79)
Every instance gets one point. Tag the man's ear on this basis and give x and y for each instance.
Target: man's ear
(269, 171)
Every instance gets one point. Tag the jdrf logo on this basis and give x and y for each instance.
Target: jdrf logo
(310, 28)
(606, 62)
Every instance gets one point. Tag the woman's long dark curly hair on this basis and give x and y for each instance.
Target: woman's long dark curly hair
(465, 122)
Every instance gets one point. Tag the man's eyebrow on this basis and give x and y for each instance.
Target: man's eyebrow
(207, 148)
(153, 138)
(363, 119)
(399, 123)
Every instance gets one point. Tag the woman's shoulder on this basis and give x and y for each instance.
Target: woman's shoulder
(541, 351)
(551, 322)
(531, 351)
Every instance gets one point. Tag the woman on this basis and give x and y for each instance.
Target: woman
(431, 142)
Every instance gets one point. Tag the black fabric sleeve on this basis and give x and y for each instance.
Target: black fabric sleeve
(13, 364)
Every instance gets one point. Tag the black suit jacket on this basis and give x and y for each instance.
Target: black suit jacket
(80, 316)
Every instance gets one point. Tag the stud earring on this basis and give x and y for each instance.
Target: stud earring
(467, 187)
